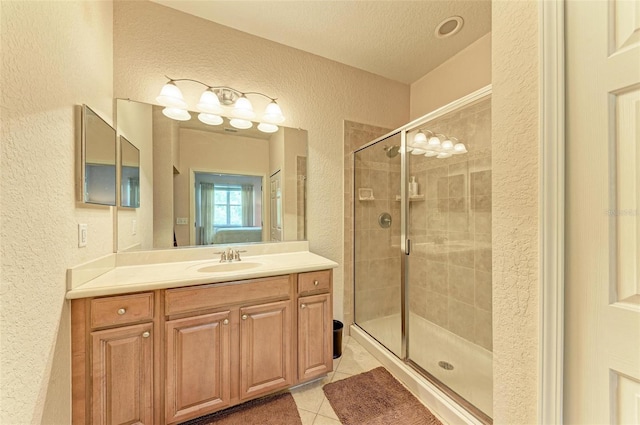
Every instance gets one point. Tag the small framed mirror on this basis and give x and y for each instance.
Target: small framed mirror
(129, 174)
(98, 168)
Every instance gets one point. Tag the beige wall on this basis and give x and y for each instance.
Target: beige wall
(315, 94)
(55, 55)
(515, 224)
(464, 73)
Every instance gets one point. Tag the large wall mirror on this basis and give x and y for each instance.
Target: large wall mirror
(213, 184)
(98, 153)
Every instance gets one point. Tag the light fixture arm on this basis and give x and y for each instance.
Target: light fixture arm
(236, 92)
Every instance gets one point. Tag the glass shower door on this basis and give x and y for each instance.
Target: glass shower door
(449, 267)
(377, 242)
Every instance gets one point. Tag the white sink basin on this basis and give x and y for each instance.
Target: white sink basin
(228, 267)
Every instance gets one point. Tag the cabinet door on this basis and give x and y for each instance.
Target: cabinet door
(122, 375)
(265, 348)
(197, 365)
(314, 336)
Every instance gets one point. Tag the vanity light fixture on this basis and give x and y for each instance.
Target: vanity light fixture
(218, 101)
(430, 144)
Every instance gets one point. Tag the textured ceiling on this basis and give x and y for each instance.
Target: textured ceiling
(394, 39)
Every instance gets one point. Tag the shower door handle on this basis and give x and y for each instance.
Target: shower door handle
(408, 248)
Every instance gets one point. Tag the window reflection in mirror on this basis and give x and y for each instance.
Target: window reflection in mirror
(99, 159)
(228, 208)
(129, 174)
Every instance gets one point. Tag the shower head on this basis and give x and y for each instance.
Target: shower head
(392, 151)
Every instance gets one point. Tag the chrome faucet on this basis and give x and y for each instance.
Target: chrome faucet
(230, 255)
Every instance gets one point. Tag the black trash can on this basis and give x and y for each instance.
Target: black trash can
(337, 338)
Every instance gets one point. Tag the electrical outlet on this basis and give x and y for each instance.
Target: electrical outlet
(82, 235)
(134, 226)
(182, 220)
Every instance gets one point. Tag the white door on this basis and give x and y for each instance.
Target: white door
(276, 207)
(602, 298)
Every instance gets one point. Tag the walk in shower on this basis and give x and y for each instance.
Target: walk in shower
(422, 248)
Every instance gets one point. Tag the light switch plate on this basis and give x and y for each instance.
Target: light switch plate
(82, 235)
(182, 220)
(134, 227)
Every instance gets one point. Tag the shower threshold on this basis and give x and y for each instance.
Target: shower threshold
(440, 399)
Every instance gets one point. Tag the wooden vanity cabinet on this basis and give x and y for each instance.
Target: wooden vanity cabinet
(177, 354)
(113, 360)
(315, 325)
(198, 359)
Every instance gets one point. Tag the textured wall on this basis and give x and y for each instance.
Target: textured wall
(466, 72)
(54, 55)
(315, 94)
(515, 210)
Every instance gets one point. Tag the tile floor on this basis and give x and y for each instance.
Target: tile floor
(313, 406)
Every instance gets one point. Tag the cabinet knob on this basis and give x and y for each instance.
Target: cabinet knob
(315, 283)
(225, 322)
(245, 317)
(121, 311)
(146, 334)
(303, 306)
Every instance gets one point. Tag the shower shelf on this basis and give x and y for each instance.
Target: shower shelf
(411, 198)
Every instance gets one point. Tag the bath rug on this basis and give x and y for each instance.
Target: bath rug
(279, 409)
(376, 398)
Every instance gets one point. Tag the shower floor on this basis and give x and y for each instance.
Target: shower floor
(429, 344)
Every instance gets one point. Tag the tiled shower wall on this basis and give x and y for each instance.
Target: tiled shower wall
(450, 229)
(355, 136)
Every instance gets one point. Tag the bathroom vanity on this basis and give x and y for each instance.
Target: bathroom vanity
(177, 351)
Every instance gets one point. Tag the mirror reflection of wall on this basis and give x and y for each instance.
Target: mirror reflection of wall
(185, 151)
(129, 174)
(99, 159)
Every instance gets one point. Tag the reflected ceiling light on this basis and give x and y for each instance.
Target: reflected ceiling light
(419, 138)
(430, 144)
(171, 96)
(434, 140)
(447, 145)
(267, 128)
(210, 119)
(240, 123)
(218, 101)
(176, 114)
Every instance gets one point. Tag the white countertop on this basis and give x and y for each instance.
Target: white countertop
(146, 277)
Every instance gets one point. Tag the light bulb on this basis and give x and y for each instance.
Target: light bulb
(171, 96)
(210, 119)
(443, 155)
(434, 141)
(429, 154)
(419, 138)
(273, 113)
(459, 148)
(241, 124)
(267, 128)
(176, 114)
(209, 103)
(447, 145)
(243, 108)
